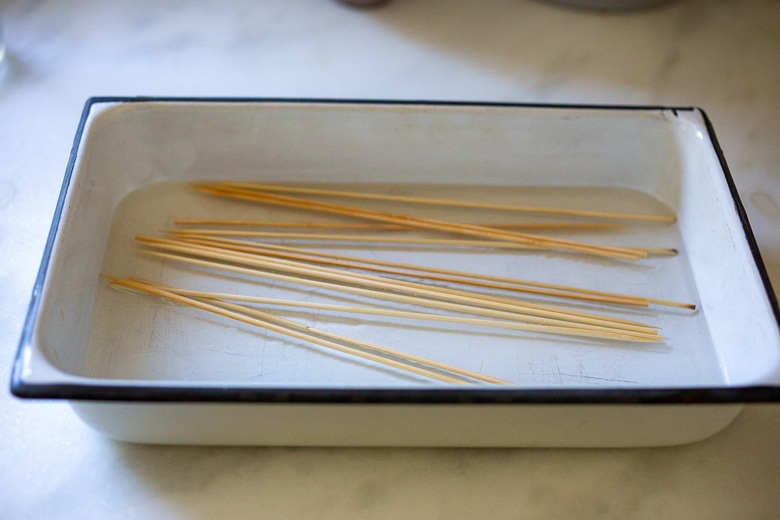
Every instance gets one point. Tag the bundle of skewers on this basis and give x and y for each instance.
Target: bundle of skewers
(246, 248)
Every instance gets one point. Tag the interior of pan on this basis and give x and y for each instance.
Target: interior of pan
(131, 177)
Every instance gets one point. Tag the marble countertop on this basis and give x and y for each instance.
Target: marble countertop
(721, 56)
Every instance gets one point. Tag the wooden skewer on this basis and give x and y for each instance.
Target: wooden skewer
(416, 293)
(445, 202)
(423, 316)
(431, 224)
(371, 348)
(431, 273)
(328, 237)
(389, 357)
(406, 270)
(372, 226)
(385, 284)
(454, 307)
(424, 223)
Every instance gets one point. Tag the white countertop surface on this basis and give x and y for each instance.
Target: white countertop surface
(721, 56)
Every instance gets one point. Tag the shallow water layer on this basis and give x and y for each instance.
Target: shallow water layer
(141, 337)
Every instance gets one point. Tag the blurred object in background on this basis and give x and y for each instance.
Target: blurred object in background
(2, 41)
(364, 3)
(610, 4)
(585, 4)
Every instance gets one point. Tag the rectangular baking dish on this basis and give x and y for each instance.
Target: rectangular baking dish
(143, 370)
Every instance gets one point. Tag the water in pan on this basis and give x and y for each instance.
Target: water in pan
(138, 337)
